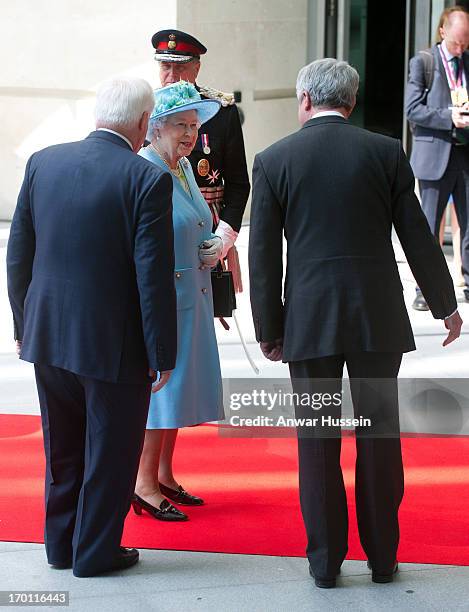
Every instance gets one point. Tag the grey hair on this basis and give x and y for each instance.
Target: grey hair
(330, 83)
(154, 124)
(122, 102)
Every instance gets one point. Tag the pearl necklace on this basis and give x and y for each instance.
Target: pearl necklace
(176, 171)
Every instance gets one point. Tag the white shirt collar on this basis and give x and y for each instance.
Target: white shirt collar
(446, 52)
(327, 113)
(117, 134)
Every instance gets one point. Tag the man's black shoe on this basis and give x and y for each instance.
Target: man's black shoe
(420, 303)
(323, 583)
(382, 578)
(125, 558)
(61, 566)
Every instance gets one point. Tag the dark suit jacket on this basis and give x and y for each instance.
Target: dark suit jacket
(335, 190)
(431, 143)
(91, 261)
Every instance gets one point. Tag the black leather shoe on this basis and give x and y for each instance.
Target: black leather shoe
(323, 583)
(383, 578)
(166, 511)
(181, 496)
(125, 558)
(61, 566)
(420, 303)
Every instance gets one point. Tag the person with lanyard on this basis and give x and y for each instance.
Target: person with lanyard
(440, 151)
(218, 159)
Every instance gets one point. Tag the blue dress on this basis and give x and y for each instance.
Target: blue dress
(194, 393)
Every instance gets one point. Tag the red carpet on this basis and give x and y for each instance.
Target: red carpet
(250, 486)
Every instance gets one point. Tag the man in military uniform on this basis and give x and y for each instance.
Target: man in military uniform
(218, 159)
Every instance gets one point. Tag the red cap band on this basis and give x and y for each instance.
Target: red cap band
(180, 46)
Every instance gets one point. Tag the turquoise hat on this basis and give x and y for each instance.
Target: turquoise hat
(183, 96)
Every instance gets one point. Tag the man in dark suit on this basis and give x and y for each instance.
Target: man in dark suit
(335, 191)
(440, 147)
(91, 284)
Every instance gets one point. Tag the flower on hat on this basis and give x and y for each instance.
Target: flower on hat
(172, 96)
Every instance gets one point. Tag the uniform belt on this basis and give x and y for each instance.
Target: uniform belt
(213, 195)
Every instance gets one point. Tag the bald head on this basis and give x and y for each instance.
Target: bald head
(455, 32)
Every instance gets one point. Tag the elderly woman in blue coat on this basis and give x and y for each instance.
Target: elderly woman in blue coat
(193, 394)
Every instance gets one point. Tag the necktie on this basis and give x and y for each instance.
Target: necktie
(460, 132)
(455, 65)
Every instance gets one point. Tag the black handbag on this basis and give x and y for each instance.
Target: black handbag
(224, 297)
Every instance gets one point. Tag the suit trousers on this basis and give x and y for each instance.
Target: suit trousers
(379, 478)
(93, 437)
(434, 197)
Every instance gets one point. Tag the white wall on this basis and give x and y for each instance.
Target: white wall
(55, 53)
(254, 46)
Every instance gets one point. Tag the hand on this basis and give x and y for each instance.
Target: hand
(460, 121)
(18, 347)
(273, 350)
(454, 324)
(210, 251)
(164, 377)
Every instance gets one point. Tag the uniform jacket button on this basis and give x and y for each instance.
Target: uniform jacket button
(204, 290)
(201, 223)
(178, 275)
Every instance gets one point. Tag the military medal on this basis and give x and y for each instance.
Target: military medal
(459, 96)
(203, 167)
(458, 91)
(213, 177)
(205, 147)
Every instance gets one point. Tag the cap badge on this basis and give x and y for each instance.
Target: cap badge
(172, 41)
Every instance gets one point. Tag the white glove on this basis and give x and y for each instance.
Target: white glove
(227, 234)
(210, 251)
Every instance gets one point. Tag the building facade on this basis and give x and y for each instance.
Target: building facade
(59, 52)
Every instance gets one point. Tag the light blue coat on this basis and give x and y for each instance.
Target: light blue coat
(193, 394)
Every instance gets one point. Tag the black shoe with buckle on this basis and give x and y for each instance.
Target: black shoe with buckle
(420, 303)
(165, 512)
(180, 496)
(382, 578)
(323, 583)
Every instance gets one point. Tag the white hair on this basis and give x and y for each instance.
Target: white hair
(155, 124)
(122, 102)
(330, 83)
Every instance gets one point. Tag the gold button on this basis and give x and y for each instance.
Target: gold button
(201, 223)
(178, 275)
(204, 290)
